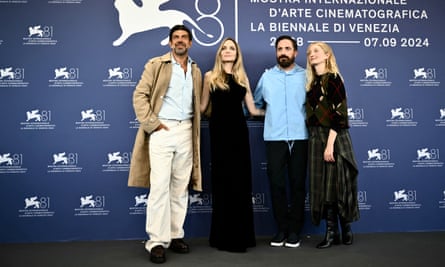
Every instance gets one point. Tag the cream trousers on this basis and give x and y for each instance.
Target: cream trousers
(171, 159)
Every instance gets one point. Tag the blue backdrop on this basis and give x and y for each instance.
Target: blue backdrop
(68, 69)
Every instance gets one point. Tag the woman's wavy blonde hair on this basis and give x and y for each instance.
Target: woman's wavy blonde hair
(331, 63)
(218, 77)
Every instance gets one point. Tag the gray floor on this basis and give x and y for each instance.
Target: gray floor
(426, 249)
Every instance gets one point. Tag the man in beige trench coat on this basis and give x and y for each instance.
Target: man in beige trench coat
(166, 153)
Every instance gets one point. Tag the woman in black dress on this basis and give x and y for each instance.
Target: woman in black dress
(226, 91)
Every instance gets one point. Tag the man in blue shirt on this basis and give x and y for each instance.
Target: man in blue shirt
(281, 92)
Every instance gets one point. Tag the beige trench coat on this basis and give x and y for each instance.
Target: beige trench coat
(147, 101)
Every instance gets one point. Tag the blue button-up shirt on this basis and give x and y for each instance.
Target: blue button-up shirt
(283, 94)
(178, 101)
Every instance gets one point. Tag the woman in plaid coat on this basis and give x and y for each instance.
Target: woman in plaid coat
(332, 165)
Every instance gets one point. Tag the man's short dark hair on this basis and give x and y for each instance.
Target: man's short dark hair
(282, 37)
(180, 27)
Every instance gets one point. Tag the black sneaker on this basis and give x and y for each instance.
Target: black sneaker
(278, 240)
(292, 241)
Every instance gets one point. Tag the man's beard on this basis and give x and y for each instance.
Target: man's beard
(180, 51)
(285, 61)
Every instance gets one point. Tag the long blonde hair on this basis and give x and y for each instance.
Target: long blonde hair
(218, 77)
(331, 64)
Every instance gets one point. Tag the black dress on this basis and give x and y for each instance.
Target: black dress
(232, 227)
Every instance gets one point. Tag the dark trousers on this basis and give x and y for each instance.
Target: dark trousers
(288, 162)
